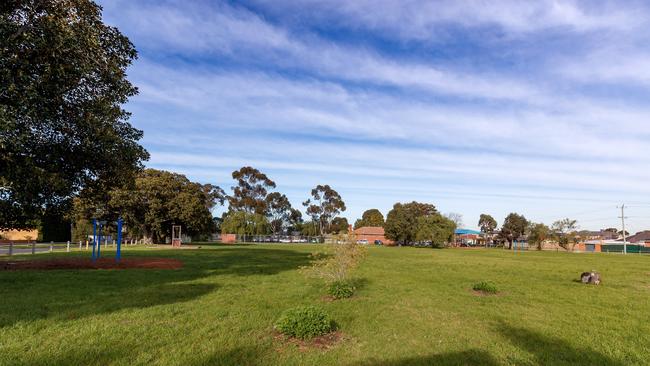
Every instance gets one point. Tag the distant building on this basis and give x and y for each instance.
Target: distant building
(642, 238)
(468, 237)
(18, 235)
(371, 234)
(599, 235)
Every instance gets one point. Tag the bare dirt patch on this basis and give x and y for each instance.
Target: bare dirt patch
(86, 263)
(486, 294)
(323, 342)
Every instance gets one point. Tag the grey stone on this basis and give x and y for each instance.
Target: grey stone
(591, 278)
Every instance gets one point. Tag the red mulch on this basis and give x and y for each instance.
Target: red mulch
(87, 263)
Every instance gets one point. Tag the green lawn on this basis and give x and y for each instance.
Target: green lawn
(415, 306)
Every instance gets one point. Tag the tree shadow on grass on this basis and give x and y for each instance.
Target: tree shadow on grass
(73, 294)
(464, 358)
(554, 351)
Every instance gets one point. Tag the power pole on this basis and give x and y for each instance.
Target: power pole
(622, 217)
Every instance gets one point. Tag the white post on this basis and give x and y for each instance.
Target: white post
(67, 248)
(80, 244)
(51, 246)
(624, 235)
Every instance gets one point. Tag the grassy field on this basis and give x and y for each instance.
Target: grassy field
(414, 306)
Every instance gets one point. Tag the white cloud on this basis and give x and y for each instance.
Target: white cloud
(222, 86)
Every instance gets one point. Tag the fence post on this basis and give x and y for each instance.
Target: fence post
(33, 247)
(113, 243)
(67, 247)
(79, 244)
(51, 246)
(86, 244)
(11, 248)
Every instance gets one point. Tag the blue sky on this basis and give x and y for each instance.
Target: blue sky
(477, 107)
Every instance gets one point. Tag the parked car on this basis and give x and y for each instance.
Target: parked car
(285, 240)
(362, 241)
(378, 242)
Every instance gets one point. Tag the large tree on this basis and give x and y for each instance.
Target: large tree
(62, 126)
(564, 232)
(250, 193)
(160, 199)
(538, 234)
(487, 224)
(339, 225)
(435, 228)
(325, 204)
(279, 211)
(402, 221)
(372, 217)
(514, 226)
(245, 223)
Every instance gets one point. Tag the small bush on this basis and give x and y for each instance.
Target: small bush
(485, 287)
(341, 289)
(304, 322)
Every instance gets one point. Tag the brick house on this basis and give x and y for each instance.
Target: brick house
(372, 233)
(641, 238)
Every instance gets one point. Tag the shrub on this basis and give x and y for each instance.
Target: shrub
(340, 258)
(304, 322)
(341, 289)
(485, 287)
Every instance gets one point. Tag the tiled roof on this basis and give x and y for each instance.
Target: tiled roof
(370, 230)
(639, 237)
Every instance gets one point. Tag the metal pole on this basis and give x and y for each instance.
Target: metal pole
(118, 254)
(624, 234)
(94, 238)
(68, 247)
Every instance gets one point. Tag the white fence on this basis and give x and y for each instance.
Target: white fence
(17, 248)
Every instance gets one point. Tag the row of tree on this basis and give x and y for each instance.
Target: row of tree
(156, 200)
(517, 227)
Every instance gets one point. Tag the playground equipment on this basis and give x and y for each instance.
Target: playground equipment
(176, 236)
(518, 245)
(97, 239)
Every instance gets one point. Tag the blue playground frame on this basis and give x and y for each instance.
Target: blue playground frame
(97, 239)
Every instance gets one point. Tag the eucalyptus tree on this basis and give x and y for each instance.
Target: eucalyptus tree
(323, 206)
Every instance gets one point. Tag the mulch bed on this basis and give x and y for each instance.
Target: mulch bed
(86, 263)
(323, 342)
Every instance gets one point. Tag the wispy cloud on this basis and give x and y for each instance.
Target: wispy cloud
(489, 110)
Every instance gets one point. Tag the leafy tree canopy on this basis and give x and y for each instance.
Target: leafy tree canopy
(325, 204)
(160, 199)
(514, 226)
(250, 193)
(372, 217)
(62, 127)
(435, 228)
(487, 224)
(279, 211)
(538, 234)
(245, 223)
(339, 226)
(402, 221)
